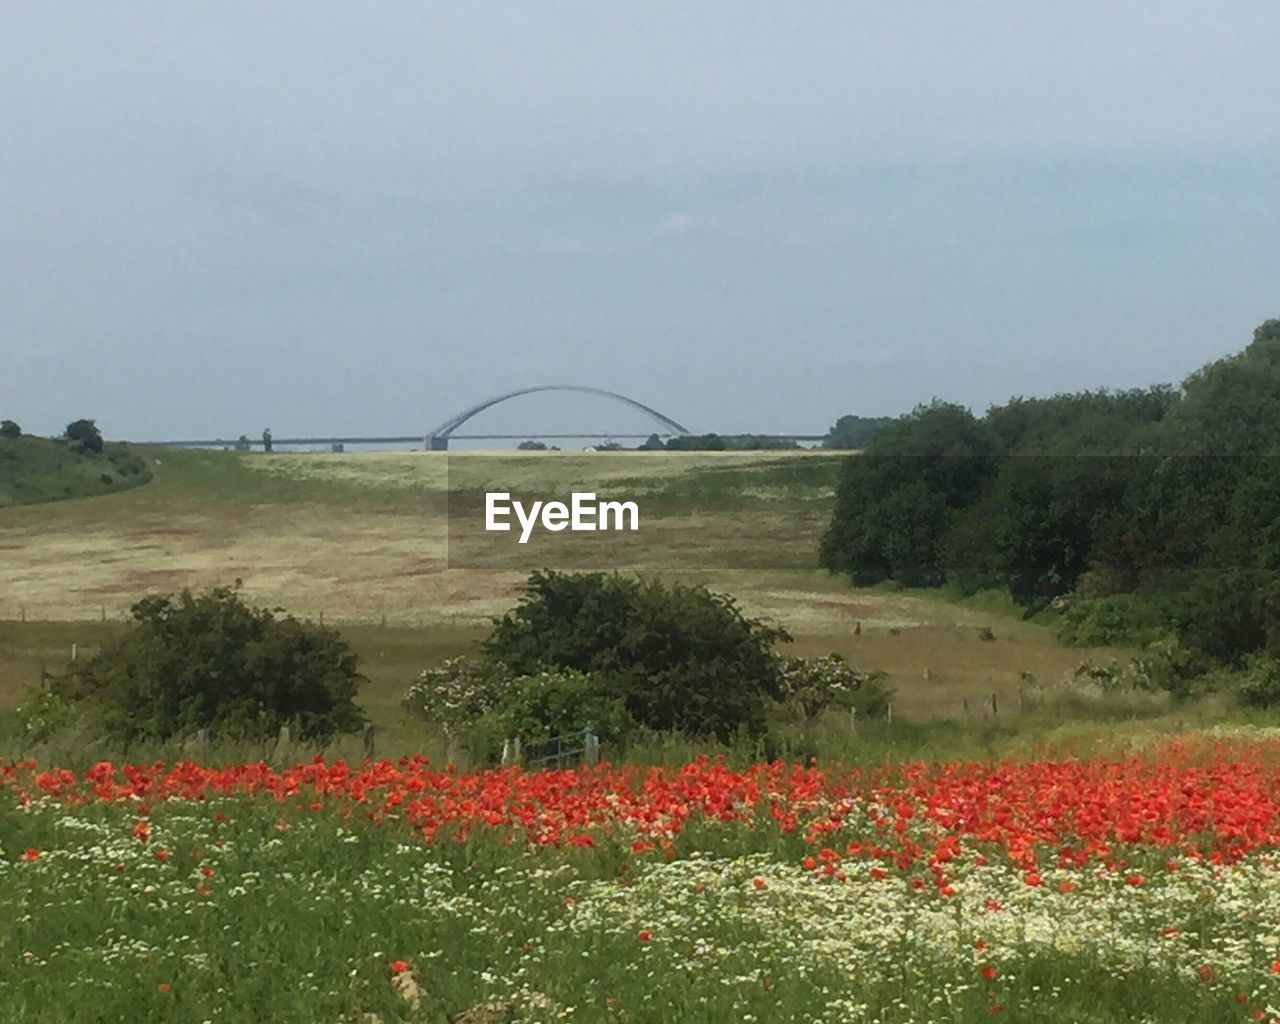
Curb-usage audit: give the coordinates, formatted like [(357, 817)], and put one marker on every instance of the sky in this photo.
[(362, 218)]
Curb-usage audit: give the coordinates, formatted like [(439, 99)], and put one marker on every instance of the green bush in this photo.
[(873, 697), (1260, 687), (677, 657), (554, 703), (1108, 621), (10, 429), (44, 714), (212, 662)]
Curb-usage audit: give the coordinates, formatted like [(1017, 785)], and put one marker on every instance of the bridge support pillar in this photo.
[(436, 443)]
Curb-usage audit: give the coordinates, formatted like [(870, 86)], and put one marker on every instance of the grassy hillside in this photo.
[(37, 469)]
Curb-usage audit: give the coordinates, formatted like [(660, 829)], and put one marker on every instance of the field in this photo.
[(1011, 844), (1136, 887)]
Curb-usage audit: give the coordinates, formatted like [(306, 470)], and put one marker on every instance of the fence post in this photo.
[(73, 651), (591, 753), (368, 741), (202, 738), (888, 714), (516, 752), (506, 751), (964, 704), (853, 721), (993, 706)]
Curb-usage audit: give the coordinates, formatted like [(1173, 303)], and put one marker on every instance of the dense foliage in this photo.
[(854, 431), (210, 661), (84, 435), (1144, 511), (675, 657)]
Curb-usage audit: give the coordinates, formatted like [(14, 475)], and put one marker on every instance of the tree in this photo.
[(676, 657), (212, 662), (531, 446), (84, 434), (10, 429), (854, 431), (897, 501)]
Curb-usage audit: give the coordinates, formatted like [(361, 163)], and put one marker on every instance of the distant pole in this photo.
[(73, 652), (888, 714), (993, 705), (591, 751), (368, 740)]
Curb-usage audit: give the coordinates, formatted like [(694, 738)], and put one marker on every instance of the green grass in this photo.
[(38, 469)]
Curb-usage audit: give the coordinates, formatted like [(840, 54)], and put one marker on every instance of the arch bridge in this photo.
[(438, 439)]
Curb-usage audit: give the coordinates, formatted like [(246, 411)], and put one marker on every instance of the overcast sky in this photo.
[(363, 217)]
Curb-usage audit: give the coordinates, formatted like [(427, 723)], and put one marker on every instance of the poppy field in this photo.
[(1143, 887)]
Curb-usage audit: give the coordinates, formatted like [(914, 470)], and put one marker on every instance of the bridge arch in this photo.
[(438, 439)]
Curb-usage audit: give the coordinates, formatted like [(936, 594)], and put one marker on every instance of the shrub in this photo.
[(212, 662), (812, 685), (553, 703), (1260, 687), (678, 657), (10, 429), (43, 715), (1107, 621), (873, 697), (458, 692)]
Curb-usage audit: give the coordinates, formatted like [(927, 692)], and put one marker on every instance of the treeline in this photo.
[(1144, 514)]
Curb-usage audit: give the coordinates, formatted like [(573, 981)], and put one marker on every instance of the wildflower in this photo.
[(30, 854), (399, 966), (645, 935), (988, 972)]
